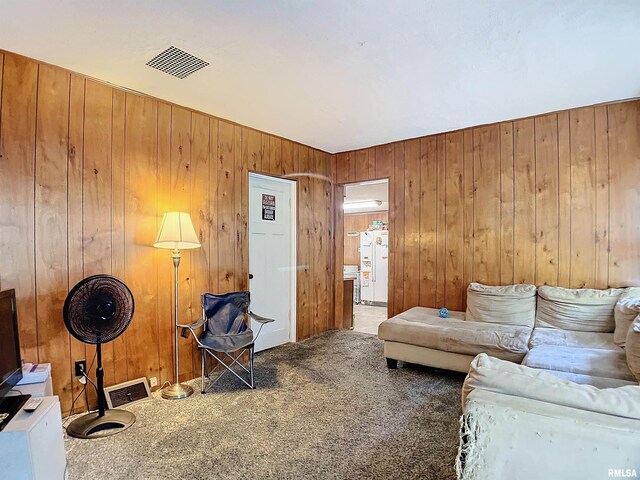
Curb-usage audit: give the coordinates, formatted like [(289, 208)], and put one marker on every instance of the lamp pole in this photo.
[(177, 232)]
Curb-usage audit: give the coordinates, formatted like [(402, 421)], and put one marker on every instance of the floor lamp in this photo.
[(177, 233)]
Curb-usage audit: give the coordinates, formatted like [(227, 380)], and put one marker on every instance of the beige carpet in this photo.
[(323, 408)]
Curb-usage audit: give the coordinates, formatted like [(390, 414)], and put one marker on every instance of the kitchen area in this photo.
[(366, 254)]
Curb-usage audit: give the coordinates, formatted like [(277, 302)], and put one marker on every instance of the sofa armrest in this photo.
[(499, 376), (504, 436)]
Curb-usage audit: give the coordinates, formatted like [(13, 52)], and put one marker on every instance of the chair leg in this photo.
[(251, 366), (204, 369)]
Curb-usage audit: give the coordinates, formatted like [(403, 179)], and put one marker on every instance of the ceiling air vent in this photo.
[(177, 62)]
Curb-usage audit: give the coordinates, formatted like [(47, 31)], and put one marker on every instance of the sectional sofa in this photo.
[(552, 385), (572, 333)]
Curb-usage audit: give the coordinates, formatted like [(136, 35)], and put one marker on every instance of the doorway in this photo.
[(272, 256), (366, 251)]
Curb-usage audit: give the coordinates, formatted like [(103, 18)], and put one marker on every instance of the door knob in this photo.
[(250, 276)]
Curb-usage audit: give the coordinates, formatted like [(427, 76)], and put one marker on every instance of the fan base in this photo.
[(92, 425), (177, 391)]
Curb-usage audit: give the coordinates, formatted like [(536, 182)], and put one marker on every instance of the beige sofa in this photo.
[(568, 332), (525, 423), (571, 410)]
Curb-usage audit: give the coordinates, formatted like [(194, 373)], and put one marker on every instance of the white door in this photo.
[(272, 258)]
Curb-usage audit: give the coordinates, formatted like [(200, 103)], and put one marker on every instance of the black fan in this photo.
[(96, 311)]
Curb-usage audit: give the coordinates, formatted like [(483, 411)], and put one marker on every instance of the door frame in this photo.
[(294, 243), (338, 241)]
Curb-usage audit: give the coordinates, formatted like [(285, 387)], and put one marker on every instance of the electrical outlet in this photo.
[(153, 382), (81, 366)]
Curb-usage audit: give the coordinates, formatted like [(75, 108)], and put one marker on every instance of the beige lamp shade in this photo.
[(177, 232)]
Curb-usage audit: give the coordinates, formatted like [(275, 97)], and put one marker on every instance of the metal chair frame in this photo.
[(220, 361)]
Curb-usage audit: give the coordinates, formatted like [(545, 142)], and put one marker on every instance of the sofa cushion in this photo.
[(498, 376), (585, 361), (508, 305), (569, 338), (632, 349), (600, 382), (582, 309), (626, 310), (423, 327)]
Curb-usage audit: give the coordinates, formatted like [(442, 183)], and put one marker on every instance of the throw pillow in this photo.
[(633, 348), (627, 308), (580, 309), (510, 305)]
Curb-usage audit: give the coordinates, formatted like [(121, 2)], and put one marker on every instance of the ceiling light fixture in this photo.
[(364, 204)]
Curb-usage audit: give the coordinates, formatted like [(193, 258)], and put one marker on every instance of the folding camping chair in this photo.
[(226, 330)]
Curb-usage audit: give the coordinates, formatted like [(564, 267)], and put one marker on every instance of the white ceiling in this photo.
[(345, 74), (370, 190)]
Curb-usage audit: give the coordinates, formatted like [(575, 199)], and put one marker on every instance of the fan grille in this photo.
[(177, 62), (98, 309)]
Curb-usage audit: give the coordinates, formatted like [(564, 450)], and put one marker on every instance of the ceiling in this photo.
[(344, 74), (366, 191)]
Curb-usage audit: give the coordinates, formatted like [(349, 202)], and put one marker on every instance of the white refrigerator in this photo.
[(374, 266)]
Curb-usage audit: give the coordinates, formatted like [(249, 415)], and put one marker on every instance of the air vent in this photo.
[(126, 393), (177, 62)]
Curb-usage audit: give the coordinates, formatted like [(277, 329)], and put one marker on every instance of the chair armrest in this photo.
[(196, 324), (260, 319)]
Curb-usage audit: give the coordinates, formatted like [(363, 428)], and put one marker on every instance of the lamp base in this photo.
[(177, 391)]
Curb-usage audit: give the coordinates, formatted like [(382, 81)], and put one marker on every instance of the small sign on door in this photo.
[(269, 207)]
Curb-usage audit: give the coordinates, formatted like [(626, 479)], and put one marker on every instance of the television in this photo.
[(10, 361)]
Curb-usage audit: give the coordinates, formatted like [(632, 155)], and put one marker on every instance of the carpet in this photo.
[(326, 407)]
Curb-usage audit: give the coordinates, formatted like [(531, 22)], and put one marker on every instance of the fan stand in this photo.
[(103, 422)]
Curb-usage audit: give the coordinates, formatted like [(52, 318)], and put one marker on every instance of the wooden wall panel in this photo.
[(564, 199), (441, 217), (362, 165), (140, 230), (486, 147), (275, 156), (583, 197), (506, 203), (543, 200), (305, 226), (87, 171), (454, 220), (96, 197), (200, 213), (602, 196), (624, 178), (17, 180), (340, 237), (50, 225), (165, 316), (427, 232), (524, 205), (181, 200), (396, 241), (412, 222), (546, 132), (75, 257)]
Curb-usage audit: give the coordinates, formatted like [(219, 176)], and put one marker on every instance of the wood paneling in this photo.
[(545, 200), (624, 181), (87, 172), (358, 222), (17, 191), (50, 224)]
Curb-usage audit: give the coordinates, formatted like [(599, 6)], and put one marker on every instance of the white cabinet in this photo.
[(32, 444)]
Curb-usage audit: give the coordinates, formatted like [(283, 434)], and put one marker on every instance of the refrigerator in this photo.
[(374, 266)]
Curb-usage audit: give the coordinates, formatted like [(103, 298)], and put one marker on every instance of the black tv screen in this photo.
[(10, 363)]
